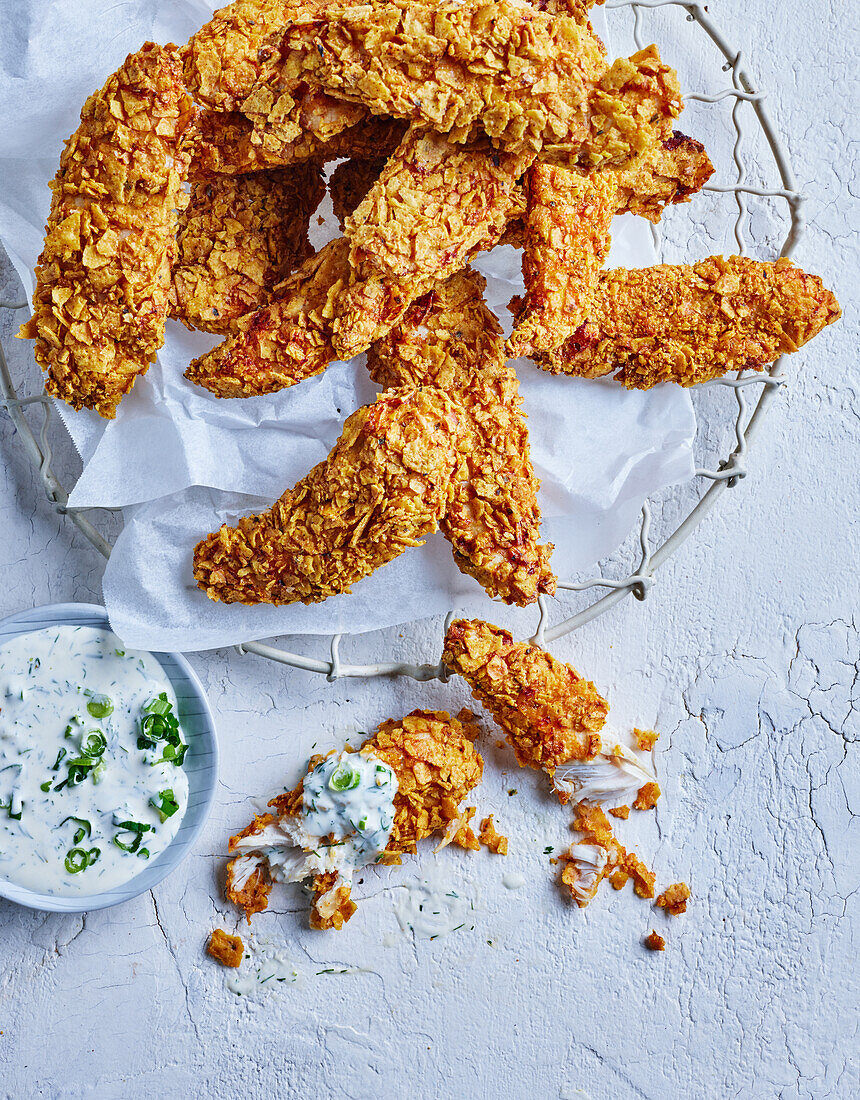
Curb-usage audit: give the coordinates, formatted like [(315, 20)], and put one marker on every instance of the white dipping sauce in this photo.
[(72, 704)]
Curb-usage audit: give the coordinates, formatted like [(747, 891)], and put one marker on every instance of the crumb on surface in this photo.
[(645, 739), (621, 811), (655, 942), (646, 799), (491, 839), (224, 948), (674, 898)]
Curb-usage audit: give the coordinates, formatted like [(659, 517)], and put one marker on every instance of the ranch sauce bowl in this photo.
[(94, 766)]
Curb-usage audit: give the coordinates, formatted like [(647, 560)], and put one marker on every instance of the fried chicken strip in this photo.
[(103, 277), (238, 237), (436, 765), (383, 488), (450, 339), (551, 715), (690, 323), (522, 76)]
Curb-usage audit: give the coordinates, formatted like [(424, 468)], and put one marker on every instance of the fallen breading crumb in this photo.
[(674, 899), (224, 948), (655, 942), (621, 811), (645, 739), (647, 797), (492, 839)]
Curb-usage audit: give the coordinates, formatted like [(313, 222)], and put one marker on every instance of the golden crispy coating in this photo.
[(645, 739), (566, 242), (383, 488), (450, 339), (433, 206), (224, 948), (631, 109), (238, 237), (104, 274), (654, 941), (599, 855), (689, 323), (350, 182), (523, 76), (227, 56), (670, 171), (549, 712), (227, 143), (491, 839), (674, 898), (436, 764), (647, 796), (287, 340)]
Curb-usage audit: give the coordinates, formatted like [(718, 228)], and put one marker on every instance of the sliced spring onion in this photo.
[(78, 859), (100, 706), (166, 805), (159, 723), (84, 830), (46, 786), (94, 744), (60, 755), (143, 853), (344, 778), (137, 829)]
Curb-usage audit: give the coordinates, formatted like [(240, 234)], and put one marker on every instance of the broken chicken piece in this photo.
[(103, 277), (550, 713), (599, 855), (383, 487), (238, 237), (491, 839), (224, 948), (690, 323), (355, 809)]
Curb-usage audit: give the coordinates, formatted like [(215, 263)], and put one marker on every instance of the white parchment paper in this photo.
[(179, 462)]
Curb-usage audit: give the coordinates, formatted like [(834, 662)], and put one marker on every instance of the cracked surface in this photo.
[(746, 655)]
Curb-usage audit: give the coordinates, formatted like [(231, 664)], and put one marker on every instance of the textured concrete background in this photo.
[(746, 657)]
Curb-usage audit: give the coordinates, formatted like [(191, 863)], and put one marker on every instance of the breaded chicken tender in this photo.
[(690, 323), (103, 277), (566, 243), (383, 488), (450, 339), (671, 171), (522, 76), (435, 764), (238, 237), (434, 204), (550, 713)]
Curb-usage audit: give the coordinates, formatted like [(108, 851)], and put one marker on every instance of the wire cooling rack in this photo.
[(748, 103)]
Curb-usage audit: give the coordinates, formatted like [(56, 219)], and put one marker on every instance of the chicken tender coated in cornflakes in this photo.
[(690, 323), (239, 236), (103, 277), (450, 339), (383, 488), (436, 765), (550, 713)]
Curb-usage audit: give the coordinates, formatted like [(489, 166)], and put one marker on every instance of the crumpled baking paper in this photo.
[(179, 461)]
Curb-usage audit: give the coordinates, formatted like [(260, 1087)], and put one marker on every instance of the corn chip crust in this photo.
[(549, 712), (566, 243), (224, 948), (674, 899), (238, 237), (690, 323), (654, 941), (103, 277), (436, 764), (492, 839), (434, 204), (450, 339), (383, 488), (522, 76)]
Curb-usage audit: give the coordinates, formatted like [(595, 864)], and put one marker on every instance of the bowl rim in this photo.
[(180, 846)]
